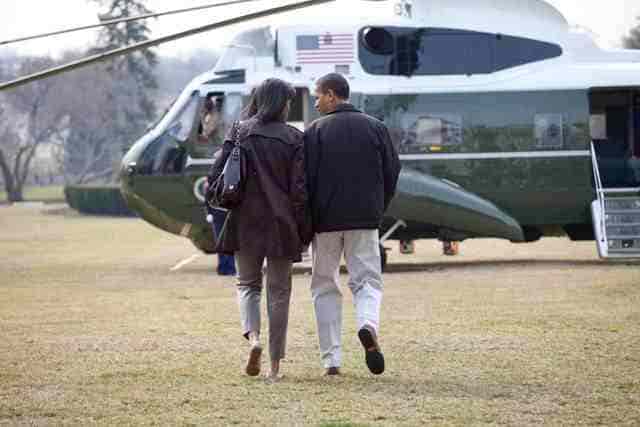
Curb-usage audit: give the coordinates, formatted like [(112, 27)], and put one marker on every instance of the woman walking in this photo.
[(270, 221)]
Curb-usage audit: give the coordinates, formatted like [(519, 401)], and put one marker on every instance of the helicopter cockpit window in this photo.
[(162, 116), (182, 126), (232, 108), (443, 51), (166, 154), (247, 50)]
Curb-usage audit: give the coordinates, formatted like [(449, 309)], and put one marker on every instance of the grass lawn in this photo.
[(50, 193), (97, 328)]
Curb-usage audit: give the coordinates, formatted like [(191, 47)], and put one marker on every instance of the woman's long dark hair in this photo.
[(269, 100), (250, 110)]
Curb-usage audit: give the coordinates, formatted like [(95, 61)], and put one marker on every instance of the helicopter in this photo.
[(509, 123)]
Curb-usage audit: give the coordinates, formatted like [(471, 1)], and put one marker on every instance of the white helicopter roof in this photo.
[(534, 19), (582, 63)]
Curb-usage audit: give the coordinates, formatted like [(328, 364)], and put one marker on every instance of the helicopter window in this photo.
[(435, 129), (166, 154), (296, 114), (210, 127), (169, 160), (182, 126), (598, 126), (163, 156), (514, 51), (216, 111), (162, 116), (483, 122), (454, 53), (247, 49), (549, 130), (442, 51), (232, 107)]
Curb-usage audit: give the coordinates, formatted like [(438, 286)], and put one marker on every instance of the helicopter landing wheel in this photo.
[(383, 258)]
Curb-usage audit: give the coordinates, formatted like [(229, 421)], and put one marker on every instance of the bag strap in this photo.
[(236, 133), (245, 127)]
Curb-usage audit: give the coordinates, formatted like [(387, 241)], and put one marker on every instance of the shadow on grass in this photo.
[(433, 267), (443, 266), (339, 424), (435, 385)]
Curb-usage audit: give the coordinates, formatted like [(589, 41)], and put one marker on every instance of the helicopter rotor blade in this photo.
[(120, 20), (154, 42)]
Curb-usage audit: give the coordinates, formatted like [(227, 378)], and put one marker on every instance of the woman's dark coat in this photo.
[(271, 219)]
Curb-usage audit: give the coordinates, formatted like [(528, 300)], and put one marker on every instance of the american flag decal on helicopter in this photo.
[(325, 49)]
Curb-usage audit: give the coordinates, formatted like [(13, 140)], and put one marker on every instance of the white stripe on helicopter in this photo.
[(510, 155), (457, 156)]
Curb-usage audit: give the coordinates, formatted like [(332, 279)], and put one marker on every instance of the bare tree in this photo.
[(633, 40), (88, 149), (134, 84), (29, 120)]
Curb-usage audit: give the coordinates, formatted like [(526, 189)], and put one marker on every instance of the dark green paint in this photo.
[(534, 191), (495, 197), (450, 207)]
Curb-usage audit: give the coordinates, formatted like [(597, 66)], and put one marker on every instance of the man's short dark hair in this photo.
[(336, 82)]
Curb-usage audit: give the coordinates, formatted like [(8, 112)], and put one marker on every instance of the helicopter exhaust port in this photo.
[(378, 40)]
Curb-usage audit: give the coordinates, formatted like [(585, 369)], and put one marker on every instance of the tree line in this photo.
[(85, 120)]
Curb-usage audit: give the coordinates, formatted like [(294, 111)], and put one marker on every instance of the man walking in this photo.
[(352, 171)]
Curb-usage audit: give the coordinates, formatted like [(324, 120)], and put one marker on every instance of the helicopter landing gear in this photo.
[(383, 258), (383, 251)]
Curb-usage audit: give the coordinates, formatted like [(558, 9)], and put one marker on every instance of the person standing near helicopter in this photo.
[(270, 221), (210, 131), (352, 171)]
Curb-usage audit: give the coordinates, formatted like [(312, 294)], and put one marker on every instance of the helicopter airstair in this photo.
[(616, 218)]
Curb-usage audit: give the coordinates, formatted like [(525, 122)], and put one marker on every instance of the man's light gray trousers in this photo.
[(361, 250)]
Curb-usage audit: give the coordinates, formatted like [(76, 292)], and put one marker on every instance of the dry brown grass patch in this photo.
[(95, 329)]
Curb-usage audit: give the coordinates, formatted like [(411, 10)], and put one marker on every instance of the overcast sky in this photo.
[(608, 19)]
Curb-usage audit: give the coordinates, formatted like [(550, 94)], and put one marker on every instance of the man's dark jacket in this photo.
[(352, 169), (271, 219)]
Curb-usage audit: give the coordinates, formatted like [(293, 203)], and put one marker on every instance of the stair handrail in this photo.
[(599, 191)]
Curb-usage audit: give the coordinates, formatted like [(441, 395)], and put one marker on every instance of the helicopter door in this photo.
[(301, 113), (215, 114), (613, 130), (635, 137), (208, 127)]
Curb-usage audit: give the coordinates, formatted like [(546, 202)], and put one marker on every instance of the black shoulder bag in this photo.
[(229, 187)]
